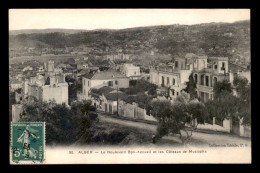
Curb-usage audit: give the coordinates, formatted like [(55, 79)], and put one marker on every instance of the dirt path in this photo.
[(197, 137)]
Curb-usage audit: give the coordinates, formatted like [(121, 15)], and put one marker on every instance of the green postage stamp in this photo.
[(27, 142)]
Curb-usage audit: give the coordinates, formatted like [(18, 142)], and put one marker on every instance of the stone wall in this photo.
[(214, 127)]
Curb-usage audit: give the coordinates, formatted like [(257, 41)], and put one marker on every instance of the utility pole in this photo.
[(117, 101)]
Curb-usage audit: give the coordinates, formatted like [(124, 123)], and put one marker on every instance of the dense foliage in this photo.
[(138, 86), (191, 87), (178, 117), (64, 125), (72, 88), (141, 92)]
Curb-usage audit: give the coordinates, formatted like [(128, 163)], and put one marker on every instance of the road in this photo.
[(197, 137)]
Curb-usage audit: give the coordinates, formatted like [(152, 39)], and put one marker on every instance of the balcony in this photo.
[(204, 88)]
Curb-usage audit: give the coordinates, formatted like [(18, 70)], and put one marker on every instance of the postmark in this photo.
[(27, 142)]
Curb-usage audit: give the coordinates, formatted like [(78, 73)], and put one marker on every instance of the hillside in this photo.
[(212, 39), (33, 31)]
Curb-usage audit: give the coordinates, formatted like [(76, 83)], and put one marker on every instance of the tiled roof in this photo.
[(106, 89), (235, 67), (61, 65), (104, 75), (83, 72), (88, 75)]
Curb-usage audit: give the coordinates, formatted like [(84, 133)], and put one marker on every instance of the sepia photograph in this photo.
[(129, 86)]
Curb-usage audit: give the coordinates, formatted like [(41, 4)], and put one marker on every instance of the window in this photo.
[(135, 72), (196, 78), (176, 63), (202, 80), (84, 81), (88, 83), (162, 80), (172, 92), (177, 93), (84, 92), (216, 67), (110, 83), (207, 81), (116, 82), (168, 80), (173, 81), (223, 66)]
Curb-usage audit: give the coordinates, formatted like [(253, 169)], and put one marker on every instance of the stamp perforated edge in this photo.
[(27, 162)]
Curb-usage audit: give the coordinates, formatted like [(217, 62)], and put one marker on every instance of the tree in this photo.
[(72, 88), (243, 90), (221, 89), (226, 105), (174, 118), (191, 87), (137, 86), (87, 120), (63, 124)]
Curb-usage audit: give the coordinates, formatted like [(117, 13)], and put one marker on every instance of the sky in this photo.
[(118, 18)]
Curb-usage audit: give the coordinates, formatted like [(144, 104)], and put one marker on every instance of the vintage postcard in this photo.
[(129, 86)]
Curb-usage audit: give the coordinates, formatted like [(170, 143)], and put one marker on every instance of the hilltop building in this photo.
[(131, 71), (48, 86), (119, 56), (205, 77), (171, 78), (15, 84), (99, 79)]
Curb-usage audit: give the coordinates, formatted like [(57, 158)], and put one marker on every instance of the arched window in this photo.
[(173, 81), (162, 80), (168, 80), (202, 79), (47, 81), (207, 80)]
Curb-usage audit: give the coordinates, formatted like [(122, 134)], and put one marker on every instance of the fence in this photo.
[(227, 125), (216, 127), (133, 111)]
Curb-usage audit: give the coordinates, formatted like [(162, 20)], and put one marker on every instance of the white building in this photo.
[(221, 69), (171, 78), (131, 71), (119, 56), (16, 84), (50, 86), (104, 78)]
